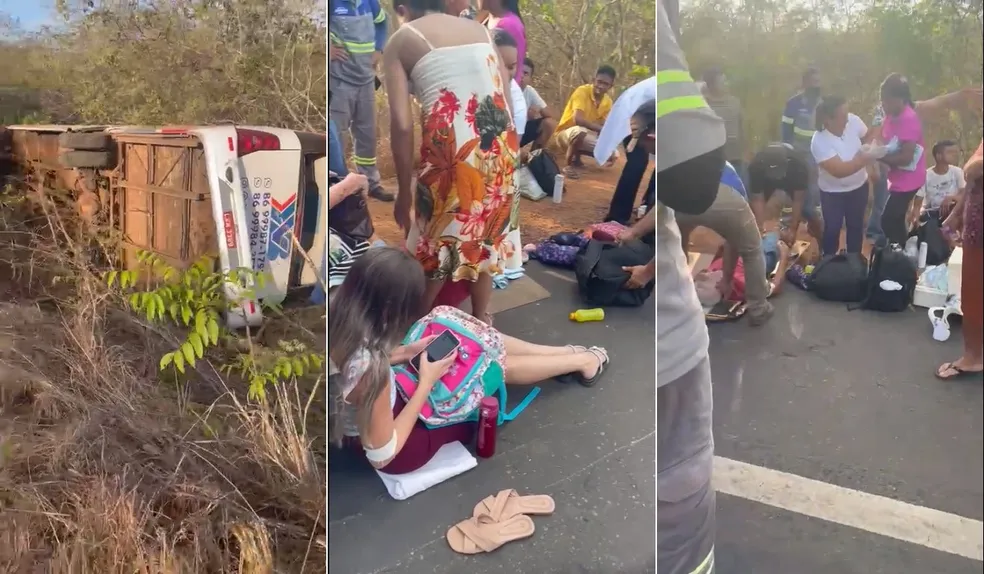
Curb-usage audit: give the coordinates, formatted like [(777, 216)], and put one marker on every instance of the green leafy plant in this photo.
[(194, 300)]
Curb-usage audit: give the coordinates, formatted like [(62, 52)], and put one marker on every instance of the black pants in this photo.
[(692, 186), (894, 217), (636, 164)]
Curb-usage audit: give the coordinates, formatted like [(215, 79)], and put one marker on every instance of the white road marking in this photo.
[(876, 514)]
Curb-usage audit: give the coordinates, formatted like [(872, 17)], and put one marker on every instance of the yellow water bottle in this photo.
[(585, 315)]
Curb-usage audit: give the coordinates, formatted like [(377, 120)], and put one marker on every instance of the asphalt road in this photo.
[(845, 398)]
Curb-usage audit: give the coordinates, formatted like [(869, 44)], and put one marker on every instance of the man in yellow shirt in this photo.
[(584, 115)]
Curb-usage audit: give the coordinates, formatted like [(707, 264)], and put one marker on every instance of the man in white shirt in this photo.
[(540, 123), (943, 182)]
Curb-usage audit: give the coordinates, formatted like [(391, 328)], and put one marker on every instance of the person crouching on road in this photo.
[(732, 218)]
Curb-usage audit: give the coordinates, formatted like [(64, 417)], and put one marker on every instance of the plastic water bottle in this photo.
[(488, 423), (911, 249), (923, 253), (558, 190), (585, 315)]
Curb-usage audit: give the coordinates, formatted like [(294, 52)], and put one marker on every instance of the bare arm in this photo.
[(401, 114), (580, 120), (837, 167), (352, 184), (382, 423), (729, 262), (929, 109)]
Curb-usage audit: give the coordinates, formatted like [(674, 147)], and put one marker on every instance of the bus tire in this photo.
[(87, 141), (90, 159)]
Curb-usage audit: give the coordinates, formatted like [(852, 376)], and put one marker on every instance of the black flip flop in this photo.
[(959, 373)]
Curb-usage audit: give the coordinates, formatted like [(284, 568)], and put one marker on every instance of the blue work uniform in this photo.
[(360, 27)]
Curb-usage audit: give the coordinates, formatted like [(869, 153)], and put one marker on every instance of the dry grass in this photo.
[(107, 468)]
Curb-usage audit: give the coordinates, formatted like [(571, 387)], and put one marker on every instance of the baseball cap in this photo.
[(643, 125)]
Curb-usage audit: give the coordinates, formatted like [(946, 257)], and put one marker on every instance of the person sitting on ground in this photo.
[(343, 251), (508, 51), (781, 167), (368, 316), (944, 181), (540, 121), (584, 115)]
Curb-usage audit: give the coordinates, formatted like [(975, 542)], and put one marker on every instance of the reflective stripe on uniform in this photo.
[(360, 47), (682, 92), (788, 120), (380, 18), (364, 161), (707, 566), (334, 38), (803, 133)]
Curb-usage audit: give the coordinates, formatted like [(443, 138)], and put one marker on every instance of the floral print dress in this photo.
[(465, 200)]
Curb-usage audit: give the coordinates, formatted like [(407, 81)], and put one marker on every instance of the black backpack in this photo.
[(350, 217), (544, 170), (841, 277), (600, 278), (890, 264)]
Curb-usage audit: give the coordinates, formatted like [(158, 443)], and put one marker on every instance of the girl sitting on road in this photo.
[(368, 315)]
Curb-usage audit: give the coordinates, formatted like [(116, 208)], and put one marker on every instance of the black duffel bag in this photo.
[(601, 279), (842, 277)]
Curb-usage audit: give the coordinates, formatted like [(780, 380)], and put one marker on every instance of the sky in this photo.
[(32, 14)]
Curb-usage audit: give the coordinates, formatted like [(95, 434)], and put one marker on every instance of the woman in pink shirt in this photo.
[(504, 14), (902, 132)]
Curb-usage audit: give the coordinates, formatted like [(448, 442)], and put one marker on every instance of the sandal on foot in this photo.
[(602, 356), (571, 173), (958, 373), (575, 349), (508, 503), (483, 534)]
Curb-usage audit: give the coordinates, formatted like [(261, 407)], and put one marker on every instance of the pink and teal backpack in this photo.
[(475, 375)]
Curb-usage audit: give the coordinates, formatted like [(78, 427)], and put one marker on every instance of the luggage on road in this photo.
[(841, 277), (601, 278), (891, 281)]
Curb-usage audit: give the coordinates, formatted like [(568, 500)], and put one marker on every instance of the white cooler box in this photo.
[(928, 297)]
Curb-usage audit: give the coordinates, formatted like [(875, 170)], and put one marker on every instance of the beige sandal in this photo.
[(483, 534), (508, 503)]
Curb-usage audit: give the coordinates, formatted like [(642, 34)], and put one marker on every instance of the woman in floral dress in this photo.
[(462, 194)]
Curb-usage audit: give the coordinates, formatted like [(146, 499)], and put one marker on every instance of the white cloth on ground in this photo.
[(450, 460)]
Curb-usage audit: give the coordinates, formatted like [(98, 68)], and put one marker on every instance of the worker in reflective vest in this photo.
[(689, 162), (357, 32)]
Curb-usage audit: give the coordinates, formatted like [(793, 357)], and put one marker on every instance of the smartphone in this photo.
[(445, 344)]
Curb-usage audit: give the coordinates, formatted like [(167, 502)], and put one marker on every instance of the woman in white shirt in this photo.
[(843, 175)]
